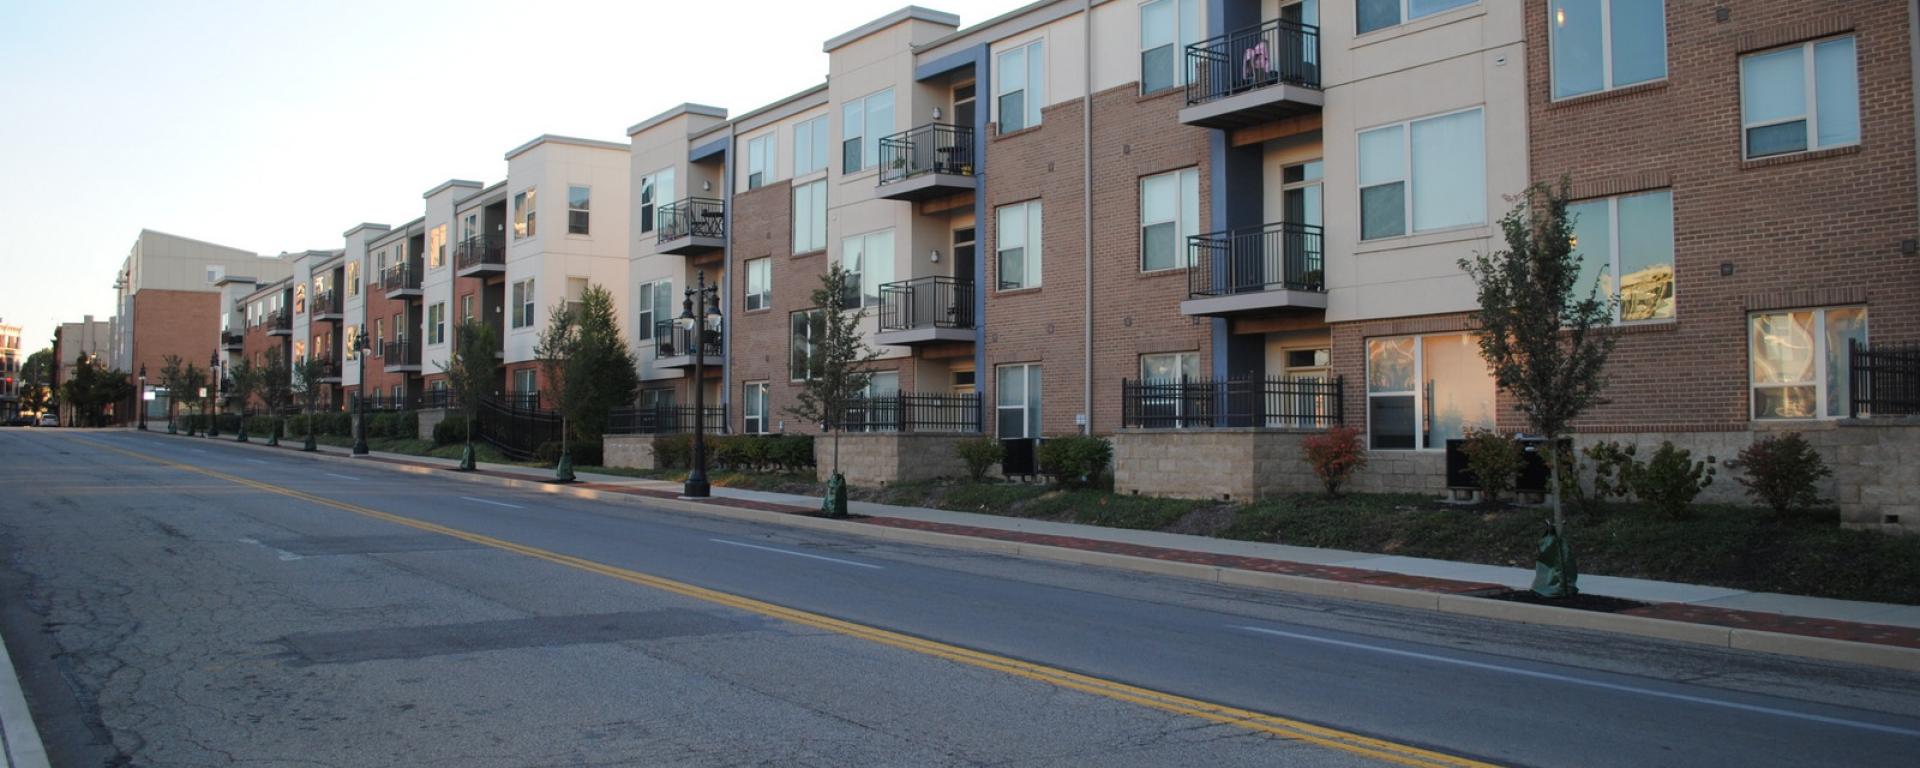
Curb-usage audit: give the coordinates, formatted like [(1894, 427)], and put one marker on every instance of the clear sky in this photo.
[(275, 125)]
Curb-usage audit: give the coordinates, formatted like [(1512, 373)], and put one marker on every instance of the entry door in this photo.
[(963, 105), (1296, 409), (963, 255)]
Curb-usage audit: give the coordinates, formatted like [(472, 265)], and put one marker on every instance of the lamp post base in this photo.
[(696, 489)]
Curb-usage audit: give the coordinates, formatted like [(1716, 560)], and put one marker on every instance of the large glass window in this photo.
[(1167, 27), (1380, 14), (810, 146), (868, 260), (1800, 361), (1017, 228), (762, 154), (1625, 247), (810, 217), (656, 304), (1800, 98), (1022, 76), (1016, 400), (754, 409), (804, 330), (1603, 44), (353, 278), (437, 246), (864, 122), (523, 303), (1423, 175), (1169, 214), (1425, 390), (759, 283), (656, 190), (437, 323), (523, 213), (579, 199)]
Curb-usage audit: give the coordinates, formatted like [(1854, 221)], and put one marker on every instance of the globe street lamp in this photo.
[(140, 404), (213, 394), (361, 346), (698, 311)]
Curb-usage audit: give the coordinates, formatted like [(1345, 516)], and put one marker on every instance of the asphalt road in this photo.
[(161, 616)]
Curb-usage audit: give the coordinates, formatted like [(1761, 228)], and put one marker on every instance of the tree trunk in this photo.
[(1553, 479), (836, 450)]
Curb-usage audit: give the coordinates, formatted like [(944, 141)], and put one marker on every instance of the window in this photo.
[(299, 350), (656, 305), (1169, 214), (651, 399), (761, 152), (1380, 14), (810, 217), (1602, 44), (1799, 361), (437, 323), (379, 337), (810, 146), (578, 200), (804, 329), (437, 245), (523, 381), (868, 260), (1016, 400), (754, 409), (576, 291), (353, 278), (1800, 98), (1625, 247), (216, 273), (470, 227), (863, 122), (1017, 227), (1022, 86), (654, 192), (523, 303), (466, 308), (759, 284), (1425, 390), (1433, 169), (523, 219), (352, 345), (1169, 368), (1167, 27)]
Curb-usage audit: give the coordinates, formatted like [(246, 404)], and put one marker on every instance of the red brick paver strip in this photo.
[(1876, 634)]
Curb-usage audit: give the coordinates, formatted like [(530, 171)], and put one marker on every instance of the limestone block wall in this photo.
[(880, 458), (629, 451), (430, 418), (1223, 464)]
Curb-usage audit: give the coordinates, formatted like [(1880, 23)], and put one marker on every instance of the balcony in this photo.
[(933, 160), (481, 255), (232, 340), (279, 323), (329, 370), (1253, 76), (325, 305), (673, 346), (692, 226), (910, 412), (401, 355), (1275, 267), (1272, 403), (402, 280), (926, 310), (666, 420)]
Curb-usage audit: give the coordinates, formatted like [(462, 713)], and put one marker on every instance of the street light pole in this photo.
[(213, 394), (140, 402), (360, 349), (701, 307)]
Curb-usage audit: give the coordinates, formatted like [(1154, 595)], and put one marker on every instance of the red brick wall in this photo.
[(763, 228), (380, 306), (184, 323)]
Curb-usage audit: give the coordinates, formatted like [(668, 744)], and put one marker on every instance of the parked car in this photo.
[(20, 421), (49, 420)]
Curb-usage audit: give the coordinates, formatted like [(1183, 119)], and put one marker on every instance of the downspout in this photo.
[(1086, 213), (726, 281)]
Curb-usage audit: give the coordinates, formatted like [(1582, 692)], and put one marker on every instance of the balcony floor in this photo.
[(928, 335), (481, 270), (1253, 301), (691, 245), (1256, 107), (927, 186), (685, 361)]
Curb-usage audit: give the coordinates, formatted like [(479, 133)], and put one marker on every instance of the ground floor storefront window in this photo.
[(1425, 390)]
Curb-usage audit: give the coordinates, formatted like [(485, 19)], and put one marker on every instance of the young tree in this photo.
[(245, 380), (170, 370), (836, 374), (306, 384), (36, 381), (191, 380), (589, 370), (470, 370), (276, 391), (1547, 339)]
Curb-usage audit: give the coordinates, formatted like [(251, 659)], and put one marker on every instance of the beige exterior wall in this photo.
[(552, 256), (656, 145)]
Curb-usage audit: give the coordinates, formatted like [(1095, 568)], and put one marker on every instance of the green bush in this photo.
[(1613, 467), (1074, 460), (451, 430), (260, 426), (1782, 472), (336, 423), (980, 454), (673, 451), (1670, 479), (1495, 461)]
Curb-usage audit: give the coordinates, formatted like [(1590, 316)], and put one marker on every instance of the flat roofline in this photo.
[(818, 91), (144, 232), (550, 138), (688, 108), (961, 34), (498, 186), (911, 12), (449, 184), (364, 225)]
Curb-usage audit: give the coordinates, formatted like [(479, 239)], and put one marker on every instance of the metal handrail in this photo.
[(930, 148), (1275, 52), (926, 302), (692, 217), (1276, 256)]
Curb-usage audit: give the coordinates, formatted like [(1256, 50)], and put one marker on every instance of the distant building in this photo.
[(10, 361)]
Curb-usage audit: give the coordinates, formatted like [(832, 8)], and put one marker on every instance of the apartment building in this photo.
[(265, 325), (71, 340), (10, 362), (168, 298), (681, 222)]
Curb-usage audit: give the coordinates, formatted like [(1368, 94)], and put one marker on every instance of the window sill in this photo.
[(1161, 273), (1608, 95), (1437, 237), (804, 254), (1418, 25), (1669, 325), (1005, 292), (1799, 157), (997, 135), (871, 170), (760, 311)]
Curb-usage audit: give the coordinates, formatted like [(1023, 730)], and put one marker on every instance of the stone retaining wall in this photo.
[(430, 418), (629, 451), (880, 458)]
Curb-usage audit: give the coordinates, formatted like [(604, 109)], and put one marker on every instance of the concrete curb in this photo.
[(1803, 646), (24, 749)]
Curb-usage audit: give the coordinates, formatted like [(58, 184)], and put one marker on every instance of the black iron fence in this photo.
[(401, 352), (693, 217), (670, 339), (927, 302), (516, 430), (1271, 257), (912, 412), (279, 320), (404, 276), (383, 402), (1275, 52), (930, 148), (665, 420), (1885, 379), (479, 251), (438, 398), (529, 401), (1290, 403)]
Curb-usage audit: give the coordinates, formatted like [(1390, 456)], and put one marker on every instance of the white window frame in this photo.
[(436, 246), (524, 221), (1185, 221), (805, 369), (865, 131), (1820, 370), (1606, 53), (1812, 101), (811, 145), (521, 293), (759, 283), (811, 223), (753, 408), (1030, 243), (1031, 407), (1032, 92), (353, 278), (1613, 257), (647, 312), (1406, 15), (1406, 178), (1183, 36), (1417, 393), (437, 323), (586, 224), (660, 183), (763, 157)]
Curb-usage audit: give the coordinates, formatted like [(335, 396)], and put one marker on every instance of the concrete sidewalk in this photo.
[(22, 739)]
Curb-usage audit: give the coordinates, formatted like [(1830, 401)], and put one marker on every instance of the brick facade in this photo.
[(758, 341), (184, 323)]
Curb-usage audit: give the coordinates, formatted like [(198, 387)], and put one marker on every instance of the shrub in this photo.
[(451, 430), (1334, 456), (1613, 467), (673, 451), (980, 453), (260, 426), (1782, 472), (338, 423), (1495, 461), (1670, 479), (1075, 460), (791, 453)]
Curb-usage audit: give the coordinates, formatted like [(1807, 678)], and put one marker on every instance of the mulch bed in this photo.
[(1582, 602)]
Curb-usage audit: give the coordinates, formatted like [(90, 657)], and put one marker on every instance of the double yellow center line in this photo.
[(1285, 728)]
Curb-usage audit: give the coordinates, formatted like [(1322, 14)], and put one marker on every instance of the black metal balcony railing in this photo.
[(481, 250), (232, 339), (1296, 403), (912, 412), (692, 217), (927, 302), (522, 401), (1885, 379), (664, 420), (279, 320), (325, 302), (670, 339), (931, 148), (382, 402), (400, 352), (1273, 257), (438, 398), (404, 276), (1274, 52)]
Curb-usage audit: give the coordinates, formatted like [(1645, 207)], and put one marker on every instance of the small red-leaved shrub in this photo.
[(1335, 455)]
